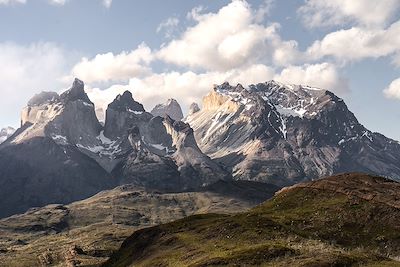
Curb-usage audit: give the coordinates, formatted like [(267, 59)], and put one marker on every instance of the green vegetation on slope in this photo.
[(87, 232), (346, 220)]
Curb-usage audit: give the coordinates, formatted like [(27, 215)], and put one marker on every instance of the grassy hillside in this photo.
[(87, 232), (344, 220)]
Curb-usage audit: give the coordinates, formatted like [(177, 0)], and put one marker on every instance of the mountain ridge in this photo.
[(285, 134), (64, 130)]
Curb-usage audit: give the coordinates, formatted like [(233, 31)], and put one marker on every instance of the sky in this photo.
[(180, 49)]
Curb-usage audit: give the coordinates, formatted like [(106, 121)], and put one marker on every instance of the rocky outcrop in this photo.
[(285, 134), (176, 167), (123, 113), (170, 108), (68, 118), (159, 153), (43, 162), (193, 108), (192, 163)]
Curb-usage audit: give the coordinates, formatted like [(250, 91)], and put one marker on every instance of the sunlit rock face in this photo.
[(42, 162), (62, 153), (283, 134)]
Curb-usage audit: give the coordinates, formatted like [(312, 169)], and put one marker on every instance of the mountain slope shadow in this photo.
[(58, 175)]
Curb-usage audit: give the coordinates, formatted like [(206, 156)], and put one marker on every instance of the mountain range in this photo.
[(269, 132), (284, 134), (72, 188)]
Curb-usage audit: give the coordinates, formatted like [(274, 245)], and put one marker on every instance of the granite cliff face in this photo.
[(42, 163), (161, 153), (62, 153), (284, 134)]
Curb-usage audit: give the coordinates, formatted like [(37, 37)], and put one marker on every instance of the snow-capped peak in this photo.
[(288, 99)]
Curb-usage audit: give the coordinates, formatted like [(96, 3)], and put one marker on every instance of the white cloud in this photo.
[(110, 67), (264, 10), (322, 13), (107, 3), (393, 90), (228, 39), (168, 26), (26, 70), (9, 2), (186, 87), (323, 75), (195, 13), (358, 43), (58, 2), (228, 45)]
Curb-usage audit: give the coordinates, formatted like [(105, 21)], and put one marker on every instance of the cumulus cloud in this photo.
[(9, 2), (58, 2), (358, 43), (110, 67), (323, 75), (186, 87), (228, 45), (393, 90), (168, 26), (189, 86), (263, 10), (26, 70), (226, 40), (322, 13), (107, 3)]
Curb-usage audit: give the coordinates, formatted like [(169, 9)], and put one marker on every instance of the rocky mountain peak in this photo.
[(171, 108), (181, 133), (125, 102), (270, 125), (134, 138), (193, 108), (76, 92), (124, 113), (42, 98)]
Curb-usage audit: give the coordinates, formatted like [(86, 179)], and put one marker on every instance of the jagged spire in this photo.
[(76, 92), (171, 108), (125, 102)]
